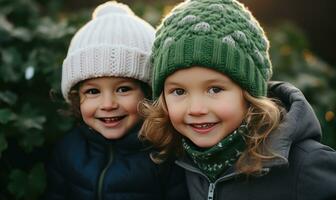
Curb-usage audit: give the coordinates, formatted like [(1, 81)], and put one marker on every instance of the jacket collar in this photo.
[(129, 142), (299, 123)]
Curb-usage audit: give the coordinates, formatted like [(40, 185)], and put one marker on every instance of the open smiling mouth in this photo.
[(109, 120), (203, 128), (203, 125)]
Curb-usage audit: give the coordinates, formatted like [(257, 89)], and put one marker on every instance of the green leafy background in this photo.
[(34, 37)]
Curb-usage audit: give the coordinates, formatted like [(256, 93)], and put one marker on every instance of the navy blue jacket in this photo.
[(85, 165)]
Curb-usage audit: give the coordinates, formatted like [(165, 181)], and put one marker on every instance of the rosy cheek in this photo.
[(87, 107), (232, 116), (227, 111), (174, 113), (131, 107)]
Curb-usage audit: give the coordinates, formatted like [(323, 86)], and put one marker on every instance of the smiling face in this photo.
[(204, 105), (109, 105)]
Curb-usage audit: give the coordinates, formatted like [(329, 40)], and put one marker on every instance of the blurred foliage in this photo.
[(32, 47), (34, 37), (294, 63)]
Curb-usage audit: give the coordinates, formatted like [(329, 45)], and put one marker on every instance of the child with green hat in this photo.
[(234, 132)]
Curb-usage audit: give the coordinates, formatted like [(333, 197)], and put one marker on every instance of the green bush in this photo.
[(34, 37), (32, 47), (293, 62)]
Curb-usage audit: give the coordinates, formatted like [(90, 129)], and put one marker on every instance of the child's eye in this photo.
[(123, 89), (92, 91), (215, 90), (178, 92)]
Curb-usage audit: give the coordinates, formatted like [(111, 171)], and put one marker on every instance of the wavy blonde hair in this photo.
[(264, 115)]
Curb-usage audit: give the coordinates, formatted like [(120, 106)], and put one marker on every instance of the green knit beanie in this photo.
[(218, 34)]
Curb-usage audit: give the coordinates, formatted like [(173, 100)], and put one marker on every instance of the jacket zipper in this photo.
[(102, 174), (211, 191), (212, 186)]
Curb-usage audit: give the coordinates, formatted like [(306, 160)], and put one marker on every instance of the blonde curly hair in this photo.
[(264, 115)]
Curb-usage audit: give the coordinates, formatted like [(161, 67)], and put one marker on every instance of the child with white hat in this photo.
[(105, 74)]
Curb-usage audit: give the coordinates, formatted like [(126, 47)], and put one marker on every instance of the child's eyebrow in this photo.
[(173, 83), (218, 80), (207, 81), (88, 84), (129, 81)]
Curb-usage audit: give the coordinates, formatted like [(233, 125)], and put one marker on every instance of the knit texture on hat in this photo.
[(114, 43), (218, 34)]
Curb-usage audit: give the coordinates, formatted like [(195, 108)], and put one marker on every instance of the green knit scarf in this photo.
[(215, 160)]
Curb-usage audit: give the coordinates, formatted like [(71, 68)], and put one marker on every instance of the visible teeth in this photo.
[(111, 119), (203, 125)]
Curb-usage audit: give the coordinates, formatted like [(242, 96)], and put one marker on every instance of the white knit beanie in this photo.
[(114, 43)]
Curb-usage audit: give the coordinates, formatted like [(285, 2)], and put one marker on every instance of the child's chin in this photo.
[(113, 135), (205, 143)]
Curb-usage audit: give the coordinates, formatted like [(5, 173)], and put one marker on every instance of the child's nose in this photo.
[(109, 102), (197, 106)]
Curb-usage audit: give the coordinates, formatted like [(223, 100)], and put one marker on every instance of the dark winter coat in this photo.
[(86, 166), (307, 170)]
